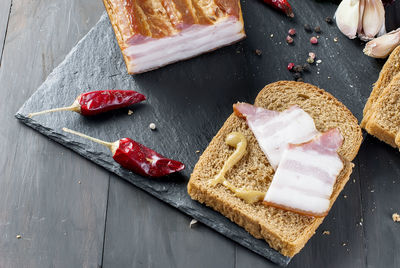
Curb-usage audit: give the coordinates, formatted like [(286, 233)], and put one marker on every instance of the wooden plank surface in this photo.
[(63, 223), (5, 8), (60, 221), (380, 199), (142, 230)]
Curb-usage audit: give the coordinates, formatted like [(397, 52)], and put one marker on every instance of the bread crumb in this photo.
[(192, 222), (130, 112), (319, 61), (345, 196), (79, 182), (18, 236), (344, 244), (396, 217), (152, 126), (326, 233), (335, 39), (272, 35), (197, 151)]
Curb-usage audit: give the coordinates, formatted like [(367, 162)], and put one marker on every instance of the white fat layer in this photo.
[(292, 198), (331, 164), (302, 192), (297, 126), (302, 183), (190, 42)]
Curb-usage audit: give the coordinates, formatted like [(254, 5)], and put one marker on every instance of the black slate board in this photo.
[(190, 100)]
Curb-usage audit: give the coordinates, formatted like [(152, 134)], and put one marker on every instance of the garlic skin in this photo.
[(382, 46), (347, 16), (360, 17), (373, 20)]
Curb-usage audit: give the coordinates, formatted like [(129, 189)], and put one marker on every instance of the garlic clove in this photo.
[(347, 17), (373, 19), (382, 46), (360, 17)]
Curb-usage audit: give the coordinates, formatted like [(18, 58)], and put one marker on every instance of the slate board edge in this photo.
[(77, 147), (95, 157)]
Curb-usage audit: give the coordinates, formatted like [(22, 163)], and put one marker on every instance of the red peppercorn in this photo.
[(289, 39), (290, 66), (292, 31), (314, 40)]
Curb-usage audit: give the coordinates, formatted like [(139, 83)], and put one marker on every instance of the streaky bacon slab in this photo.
[(154, 33)]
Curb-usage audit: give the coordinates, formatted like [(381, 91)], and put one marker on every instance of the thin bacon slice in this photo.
[(304, 180), (275, 130)]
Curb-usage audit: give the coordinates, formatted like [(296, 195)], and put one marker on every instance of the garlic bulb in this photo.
[(363, 17), (347, 16), (382, 46)]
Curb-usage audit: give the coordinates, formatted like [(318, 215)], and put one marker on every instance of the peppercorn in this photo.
[(289, 39), (290, 66), (307, 28), (296, 76), (306, 67), (329, 20), (292, 31), (258, 52), (313, 40), (317, 29), (298, 68)]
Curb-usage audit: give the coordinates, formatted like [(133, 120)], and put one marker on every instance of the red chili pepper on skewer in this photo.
[(95, 102), (137, 157), (282, 5)]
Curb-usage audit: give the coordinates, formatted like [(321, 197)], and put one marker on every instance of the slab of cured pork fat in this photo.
[(154, 33)]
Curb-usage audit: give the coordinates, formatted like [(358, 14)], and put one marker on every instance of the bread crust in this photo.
[(389, 70), (262, 221), (384, 119)]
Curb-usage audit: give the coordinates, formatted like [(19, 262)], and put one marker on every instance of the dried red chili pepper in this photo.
[(137, 157), (282, 5), (95, 102)]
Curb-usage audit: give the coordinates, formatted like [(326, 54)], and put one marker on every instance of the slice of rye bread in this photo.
[(389, 70), (384, 121), (284, 231)]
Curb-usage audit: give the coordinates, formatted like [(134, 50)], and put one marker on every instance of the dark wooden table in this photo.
[(60, 210)]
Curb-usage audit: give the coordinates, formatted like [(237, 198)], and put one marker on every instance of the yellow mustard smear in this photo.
[(239, 142)]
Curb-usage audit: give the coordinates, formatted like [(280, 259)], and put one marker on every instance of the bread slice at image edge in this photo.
[(389, 70), (285, 231), (384, 121)]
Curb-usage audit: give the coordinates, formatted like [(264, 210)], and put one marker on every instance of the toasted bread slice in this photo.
[(285, 231), (389, 70), (384, 119)]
